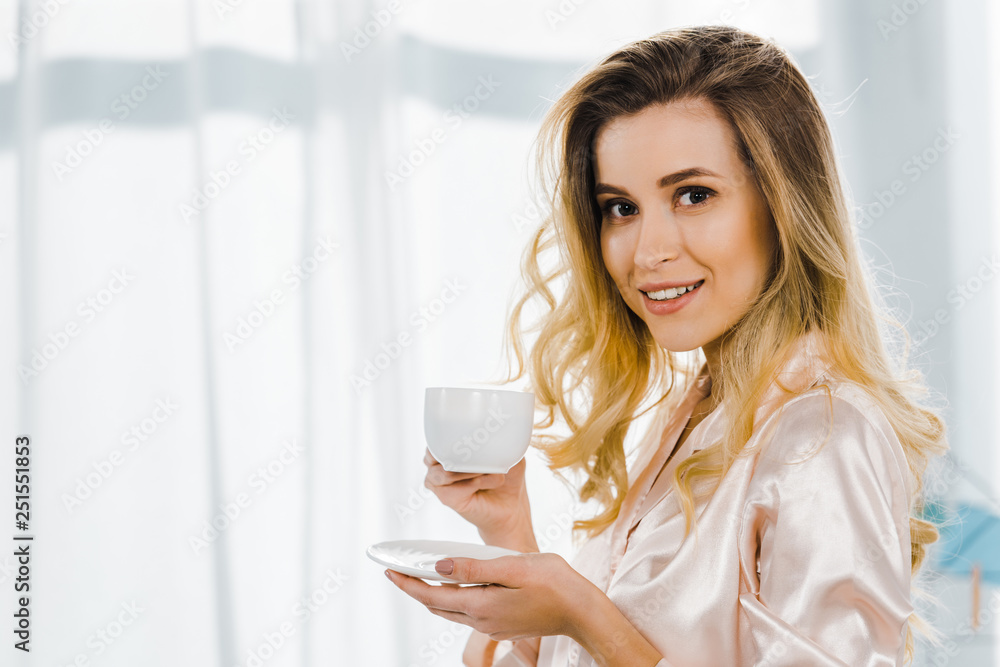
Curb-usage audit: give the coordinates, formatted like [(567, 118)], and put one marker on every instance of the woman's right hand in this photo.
[(497, 504)]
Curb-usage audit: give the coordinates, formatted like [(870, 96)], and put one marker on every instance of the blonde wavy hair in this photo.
[(593, 350)]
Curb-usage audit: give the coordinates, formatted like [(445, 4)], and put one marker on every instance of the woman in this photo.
[(771, 515)]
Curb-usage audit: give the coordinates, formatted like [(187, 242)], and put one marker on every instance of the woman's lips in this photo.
[(670, 305)]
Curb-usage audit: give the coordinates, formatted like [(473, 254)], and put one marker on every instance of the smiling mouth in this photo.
[(672, 292)]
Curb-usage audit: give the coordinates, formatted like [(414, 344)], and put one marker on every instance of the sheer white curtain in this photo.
[(238, 239)]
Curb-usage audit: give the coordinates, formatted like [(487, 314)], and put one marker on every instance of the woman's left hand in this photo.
[(527, 595)]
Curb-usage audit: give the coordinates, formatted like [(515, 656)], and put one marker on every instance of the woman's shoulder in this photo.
[(834, 426), (837, 400)]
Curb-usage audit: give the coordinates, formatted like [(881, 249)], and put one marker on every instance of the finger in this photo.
[(460, 492), (434, 464), (490, 481), (480, 481), (442, 477), (436, 597), (438, 476), (456, 616), (508, 571)]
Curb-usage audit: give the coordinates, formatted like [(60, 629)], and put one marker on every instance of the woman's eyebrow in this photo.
[(666, 181)]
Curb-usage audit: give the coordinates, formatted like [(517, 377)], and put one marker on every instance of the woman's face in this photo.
[(680, 208)]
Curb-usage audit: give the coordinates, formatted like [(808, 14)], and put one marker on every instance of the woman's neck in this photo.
[(712, 355)]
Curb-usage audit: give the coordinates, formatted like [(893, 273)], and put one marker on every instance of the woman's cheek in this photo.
[(616, 257)]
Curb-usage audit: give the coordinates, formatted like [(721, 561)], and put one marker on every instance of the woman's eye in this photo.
[(624, 209), (693, 196)]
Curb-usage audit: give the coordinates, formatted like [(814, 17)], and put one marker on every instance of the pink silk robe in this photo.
[(803, 551)]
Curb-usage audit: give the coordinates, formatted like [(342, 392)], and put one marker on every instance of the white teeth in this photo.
[(671, 292)]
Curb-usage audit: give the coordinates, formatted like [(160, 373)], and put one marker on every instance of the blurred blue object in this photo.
[(969, 534)]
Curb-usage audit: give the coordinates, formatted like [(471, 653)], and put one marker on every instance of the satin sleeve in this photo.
[(829, 517), (481, 651)]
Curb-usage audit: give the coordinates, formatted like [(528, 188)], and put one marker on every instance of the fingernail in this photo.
[(446, 566), (388, 576)]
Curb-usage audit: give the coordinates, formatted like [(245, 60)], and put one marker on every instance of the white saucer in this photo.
[(417, 557)]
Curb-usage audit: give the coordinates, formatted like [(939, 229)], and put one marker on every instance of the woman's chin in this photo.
[(678, 343)]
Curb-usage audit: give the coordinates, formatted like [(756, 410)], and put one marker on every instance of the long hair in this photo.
[(592, 349)]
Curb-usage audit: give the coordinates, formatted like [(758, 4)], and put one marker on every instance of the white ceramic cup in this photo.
[(478, 430)]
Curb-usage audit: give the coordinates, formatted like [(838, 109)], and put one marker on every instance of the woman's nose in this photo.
[(659, 240)]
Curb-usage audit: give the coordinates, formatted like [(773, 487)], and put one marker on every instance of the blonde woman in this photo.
[(771, 515)]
